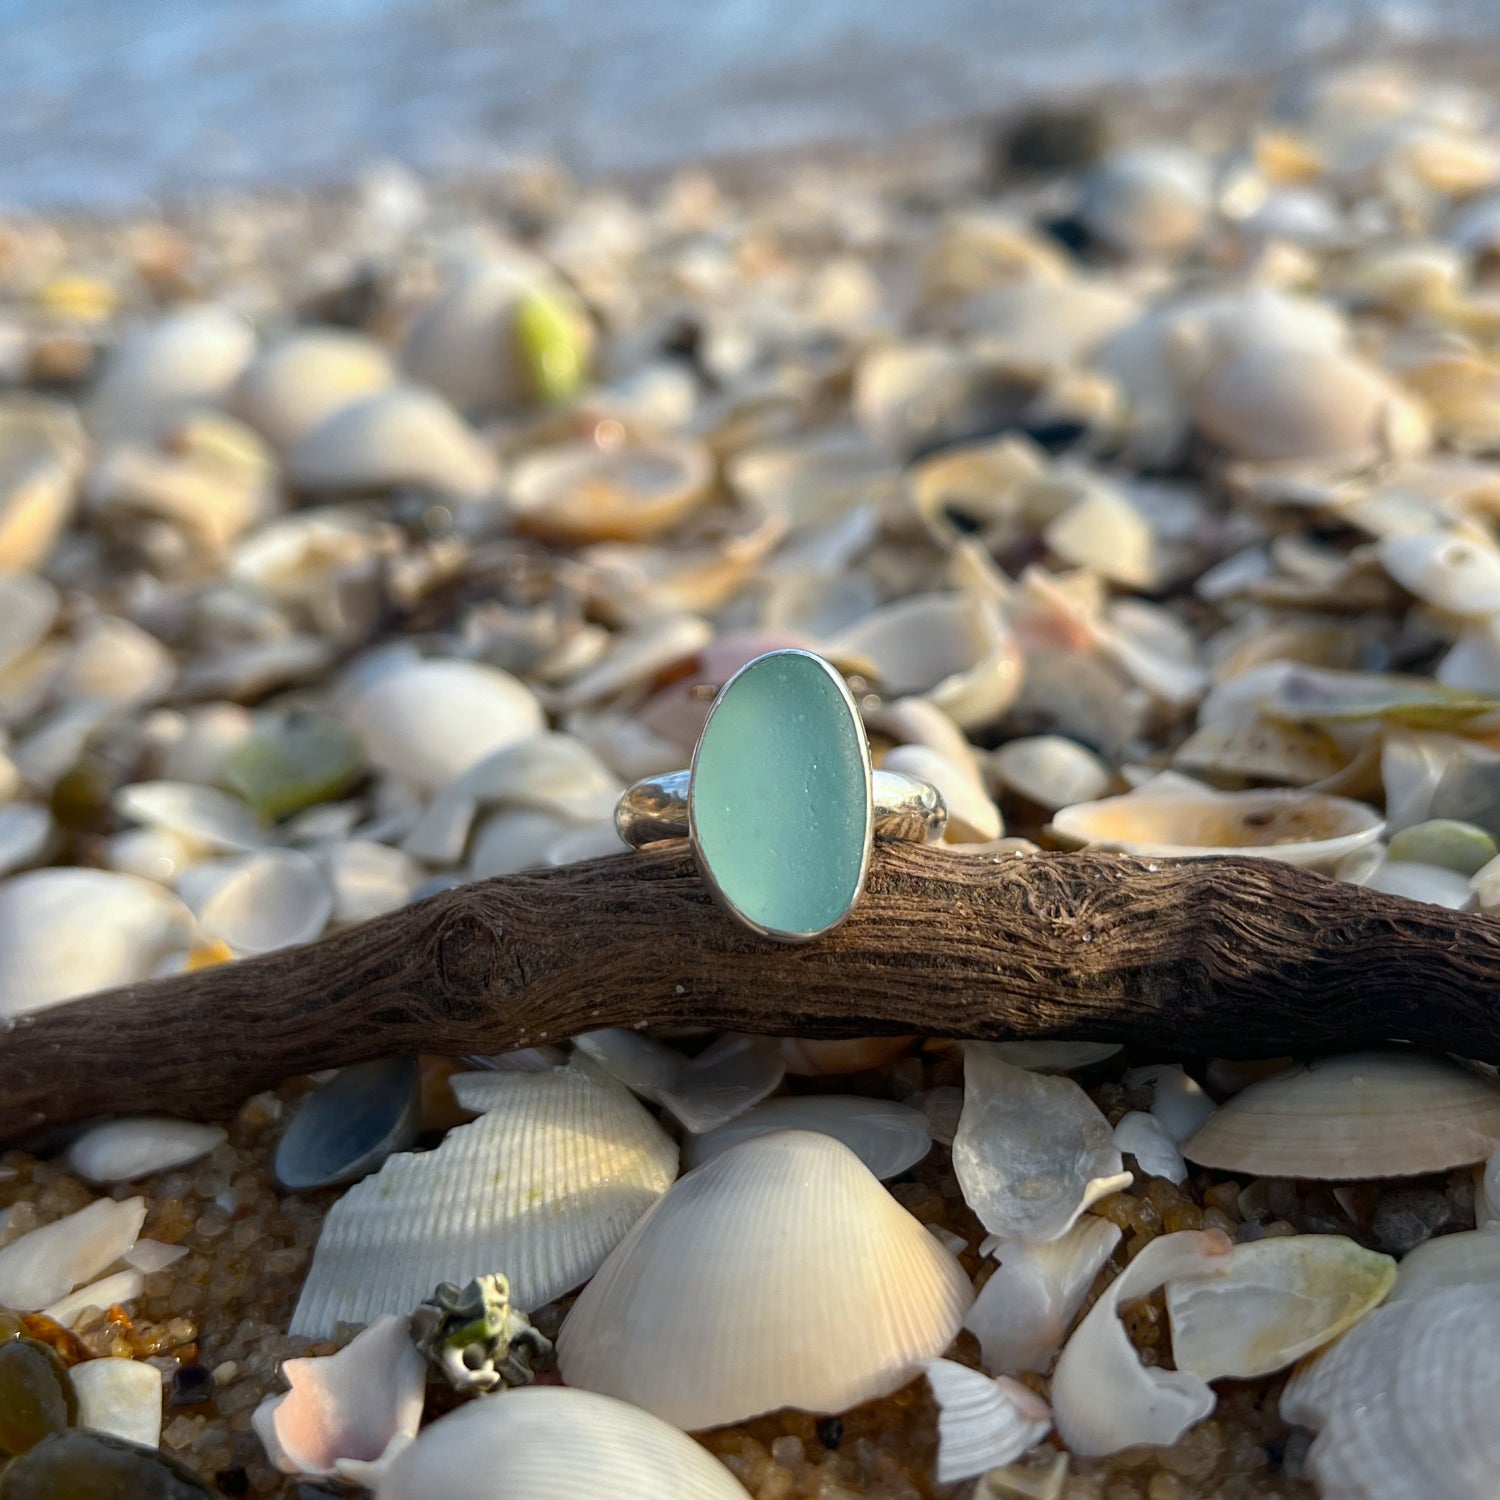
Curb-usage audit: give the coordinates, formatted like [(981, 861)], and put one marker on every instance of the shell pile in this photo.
[(358, 547)]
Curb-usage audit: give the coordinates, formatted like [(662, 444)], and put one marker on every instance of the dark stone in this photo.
[(190, 1385), (91, 1466), (36, 1395), (234, 1482), (1050, 139), (830, 1431), (1070, 232)]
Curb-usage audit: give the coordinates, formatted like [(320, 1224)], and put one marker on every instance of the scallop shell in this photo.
[(1363, 1115), (541, 1187), (289, 389), (786, 1250), (67, 932), (1281, 1298), (554, 1443), (982, 1423), (1177, 821), (888, 1138), (1404, 1403)]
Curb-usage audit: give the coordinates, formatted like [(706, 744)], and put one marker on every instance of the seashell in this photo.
[(200, 815), (644, 1065), (67, 932), (347, 1414), (49, 1262), (115, 662), (395, 438), (1023, 1312), (1032, 1152), (472, 342), (1304, 828), (1050, 771), (1144, 1137), (164, 371), (1177, 1101), (1148, 200), (1026, 1481), (430, 721), (151, 1256), (28, 607), (953, 649), (1281, 1298), (277, 898), (888, 1138), (351, 1125), (723, 1081), (812, 480), (972, 817), (514, 839), (125, 1150), (1104, 531), (555, 1443), (545, 1183), (1300, 694), (1469, 1258), (625, 491), (1452, 570), (1362, 1115), (1401, 1404), (1421, 882), (1038, 327), (366, 879), (152, 853), (591, 841), (785, 1249), (1252, 747), (25, 833), (1054, 1057), (123, 1286), (290, 388), (41, 451), (813, 1057), (639, 655), (121, 1397), (982, 1423), (1103, 1398), (199, 741)]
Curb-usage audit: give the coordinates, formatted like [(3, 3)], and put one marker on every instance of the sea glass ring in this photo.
[(781, 804)]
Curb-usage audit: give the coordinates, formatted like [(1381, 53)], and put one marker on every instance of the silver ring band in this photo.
[(656, 808)]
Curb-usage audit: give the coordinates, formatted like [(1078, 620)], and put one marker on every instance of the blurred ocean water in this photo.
[(103, 101)]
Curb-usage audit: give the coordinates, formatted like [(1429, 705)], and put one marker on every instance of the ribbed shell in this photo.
[(541, 1187), (779, 1274), (1366, 1114), (551, 1443)]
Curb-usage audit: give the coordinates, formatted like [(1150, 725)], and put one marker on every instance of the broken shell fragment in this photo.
[(786, 1249), (982, 1423), (1281, 1298), (120, 1397), (1050, 771), (125, 1150), (1143, 1136), (49, 1262), (1368, 1114)]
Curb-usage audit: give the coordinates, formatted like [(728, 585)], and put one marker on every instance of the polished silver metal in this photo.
[(906, 808)]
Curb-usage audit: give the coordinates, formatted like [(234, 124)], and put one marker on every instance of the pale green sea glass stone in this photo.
[(779, 802)]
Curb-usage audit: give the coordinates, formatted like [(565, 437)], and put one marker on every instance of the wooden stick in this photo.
[(1230, 957)]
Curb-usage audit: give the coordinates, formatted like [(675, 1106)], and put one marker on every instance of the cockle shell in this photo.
[(1281, 1298), (1404, 1403), (1368, 1114), (555, 1443), (1032, 1151), (292, 387), (982, 1423), (787, 1250), (544, 1184)]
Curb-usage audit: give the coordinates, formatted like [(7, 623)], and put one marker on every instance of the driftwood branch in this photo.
[(1234, 957)]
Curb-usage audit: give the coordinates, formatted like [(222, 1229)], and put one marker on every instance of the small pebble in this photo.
[(1407, 1217), (36, 1395), (830, 1431), (190, 1385)]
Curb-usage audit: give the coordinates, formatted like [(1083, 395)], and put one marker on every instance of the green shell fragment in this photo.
[(552, 347), (295, 762)]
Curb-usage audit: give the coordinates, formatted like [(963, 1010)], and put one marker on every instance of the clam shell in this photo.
[(366, 879), (67, 932), (1032, 1151), (1370, 1114), (290, 388), (351, 1125), (982, 1423), (888, 1138), (125, 1150), (200, 815), (554, 1443), (1281, 1298), (788, 1251), (541, 1187), (397, 437)]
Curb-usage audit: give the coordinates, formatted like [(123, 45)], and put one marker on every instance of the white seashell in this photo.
[(645, 1066), (150, 1256), (166, 370), (277, 898), (1469, 1258), (1036, 327), (1023, 1312), (41, 453), (1362, 1115), (915, 721), (1103, 1398), (1144, 1137), (394, 438), (67, 932), (347, 1414), (1418, 882), (123, 1286), (25, 833), (121, 1397), (28, 607), (555, 1443), (1404, 1403), (888, 1138), (814, 1057), (289, 389), (1281, 1298), (125, 1150), (591, 841), (1050, 771), (430, 721), (1055, 1057), (542, 1186), (1026, 1481), (115, 662), (787, 1250), (516, 838), (1032, 1152), (201, 815), (366, 878), (636, 656), (723, 1081), (1148, 200), (982, 1423), (49, 1262), (1178, 1101), (1452, 570), (1304, 828), (972, 817), (201, 741), (1473, 664), (1104, 532)]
